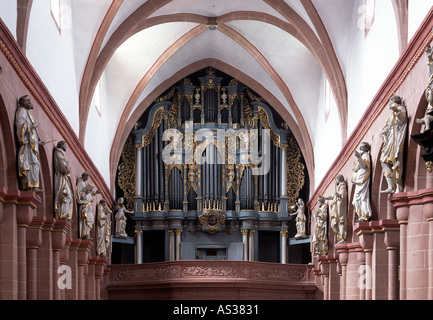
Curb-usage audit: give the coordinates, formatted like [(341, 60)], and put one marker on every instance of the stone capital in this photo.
[(34, 232), (100, 264), (60, 231)]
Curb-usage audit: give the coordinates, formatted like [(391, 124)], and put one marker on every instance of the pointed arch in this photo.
[(127, 121)]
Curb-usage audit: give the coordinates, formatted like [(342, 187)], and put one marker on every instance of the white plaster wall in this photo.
[(371, 59), (52, 55), (417, 12), (214, 45), (99, 133), (8, 13), (292, 62), (328, 138)]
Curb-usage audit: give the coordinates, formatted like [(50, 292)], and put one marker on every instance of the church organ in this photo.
[(213, 158)]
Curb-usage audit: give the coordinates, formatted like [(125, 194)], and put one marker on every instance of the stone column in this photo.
[(343, 257), (171, 247), (16, 213), (284, 234), (60, 230), (392, 242), (402, 214), (45, 262), (82, 260), (73, 264), (428, 213), (245, 243), (138, 246), (34, 240), (324, 270), (139, 172), (91, 281), (178, 240), (403, 219), (366, 238), (24, 218), (99, 272), (64, 261), (251, 244), (284, 171)]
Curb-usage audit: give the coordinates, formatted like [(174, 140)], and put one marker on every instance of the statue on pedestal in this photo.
[(63, 196), (339, 209), (393, 136), (320, 237), (121, 219), (428, 118), (103, 230), (28, 140), (361, 180), (85, 196), (301, 219)]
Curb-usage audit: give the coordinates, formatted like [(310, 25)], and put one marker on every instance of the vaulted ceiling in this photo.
[(281, 49)]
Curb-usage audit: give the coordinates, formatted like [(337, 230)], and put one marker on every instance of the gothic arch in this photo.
[(24, 8), (298, 29), (8, 148), (128, 121), (415, 163)]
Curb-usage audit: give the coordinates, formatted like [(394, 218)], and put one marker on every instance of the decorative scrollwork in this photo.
[(126, 175), (147, 138), (264, 120), (295, 171)]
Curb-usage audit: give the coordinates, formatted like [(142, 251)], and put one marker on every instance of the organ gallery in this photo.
[(216, 150), (215, 167)]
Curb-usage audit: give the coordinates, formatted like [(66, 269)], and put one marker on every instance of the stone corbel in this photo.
[(34, 232), (60, 231)]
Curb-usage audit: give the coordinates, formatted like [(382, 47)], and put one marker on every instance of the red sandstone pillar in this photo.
[(99, 272), (72, 294), (343, 257), (428, 213), (17, 210), (324, 269), (403, 219), (9, 254), (45, 262), (82, 260), (60, 230), (34, 240), (391, 230), (64, 260), (90, 289), (364, 231), (24, 218)]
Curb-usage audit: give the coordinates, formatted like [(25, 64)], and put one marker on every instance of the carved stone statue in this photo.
[(428, 118), (121, 219), (84, 195), (393, 136), (301, 219), (103, 230), (63, 196), (28, 140), (339, 209), (320, 238), (361, 180)]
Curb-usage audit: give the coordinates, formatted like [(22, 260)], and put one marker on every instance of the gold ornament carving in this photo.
[(126, 176), (148, 137), (295, 171), (212, 219)]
